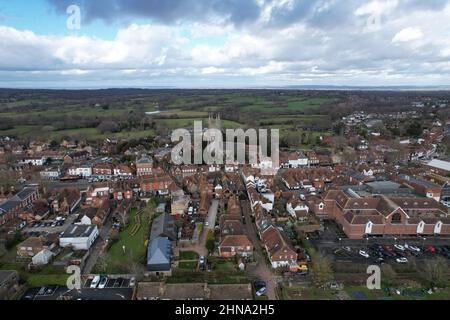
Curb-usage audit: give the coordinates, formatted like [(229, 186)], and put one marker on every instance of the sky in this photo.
[(224, 43)]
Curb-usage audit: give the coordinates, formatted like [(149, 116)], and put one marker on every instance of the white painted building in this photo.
[(80, 237), (81, 171)]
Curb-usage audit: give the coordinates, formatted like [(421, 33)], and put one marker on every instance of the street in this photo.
[(261, 271)]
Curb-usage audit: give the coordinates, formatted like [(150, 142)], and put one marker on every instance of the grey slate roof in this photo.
[(164, 226), (159, 254)]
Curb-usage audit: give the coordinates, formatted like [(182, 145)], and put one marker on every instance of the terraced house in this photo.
[(12, 207)]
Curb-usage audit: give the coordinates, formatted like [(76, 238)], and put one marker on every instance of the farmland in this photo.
[(124, 114)]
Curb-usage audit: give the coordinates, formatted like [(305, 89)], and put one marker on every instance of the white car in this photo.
[(348, 249), (261, 291), (364, 254), (399, 247), (202, 260), (95, 282), (103, 282), (402, 260), (133, 282), (412, 248)]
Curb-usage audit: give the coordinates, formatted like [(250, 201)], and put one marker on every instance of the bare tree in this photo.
[(434, 272), (322, 270)]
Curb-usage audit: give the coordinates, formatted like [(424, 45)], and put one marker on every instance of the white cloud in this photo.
[(408, 34)]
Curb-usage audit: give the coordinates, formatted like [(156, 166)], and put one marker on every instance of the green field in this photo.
[(83, 115)]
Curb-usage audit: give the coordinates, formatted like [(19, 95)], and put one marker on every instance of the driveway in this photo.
[(212, 215), (96, 249), (261, 271)]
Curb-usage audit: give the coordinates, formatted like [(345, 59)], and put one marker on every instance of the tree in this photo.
[(388, 275), (210, 242), (414, 129), (434, 272), (322, 270)]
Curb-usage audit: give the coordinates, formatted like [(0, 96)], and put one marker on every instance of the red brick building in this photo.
[(377, 216)]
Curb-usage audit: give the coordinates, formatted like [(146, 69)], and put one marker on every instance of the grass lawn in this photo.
[(37, 280), (188, 255), (190, 265), (303, 293), (134, 244)]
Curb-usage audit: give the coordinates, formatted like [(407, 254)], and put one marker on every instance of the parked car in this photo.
[(402, 260), (201, 260), (399, 247), (103, 282), (431, 249), (412, 248), (364, 254), (95, 282), (261, 291), (132, 282)]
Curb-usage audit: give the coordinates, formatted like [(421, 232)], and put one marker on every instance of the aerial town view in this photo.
[(224, 150)]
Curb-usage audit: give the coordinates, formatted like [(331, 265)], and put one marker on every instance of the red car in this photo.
[(431, 249)]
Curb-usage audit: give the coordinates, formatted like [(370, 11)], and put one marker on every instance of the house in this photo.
[(233, 240), (144, 166), (103, 170), (76, 157), (123, 170), (84, 171), (33, 245), (37, 161), (280, 251), (179, 204), (42, 258), (159, 256), (9, 280), (51, 173), (293, 160), (156, 184), (232, 245), (65, 201), (11, 207), (313, 159), (298, 209), (164, 226), (79, 237)]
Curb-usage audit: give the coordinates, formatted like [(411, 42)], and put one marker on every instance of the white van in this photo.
[(95, 282)]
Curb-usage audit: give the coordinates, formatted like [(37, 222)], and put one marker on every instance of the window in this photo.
[(396, 218)]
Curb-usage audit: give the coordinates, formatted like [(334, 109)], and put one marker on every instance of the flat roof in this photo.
[(440, 164), (78, 231)]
